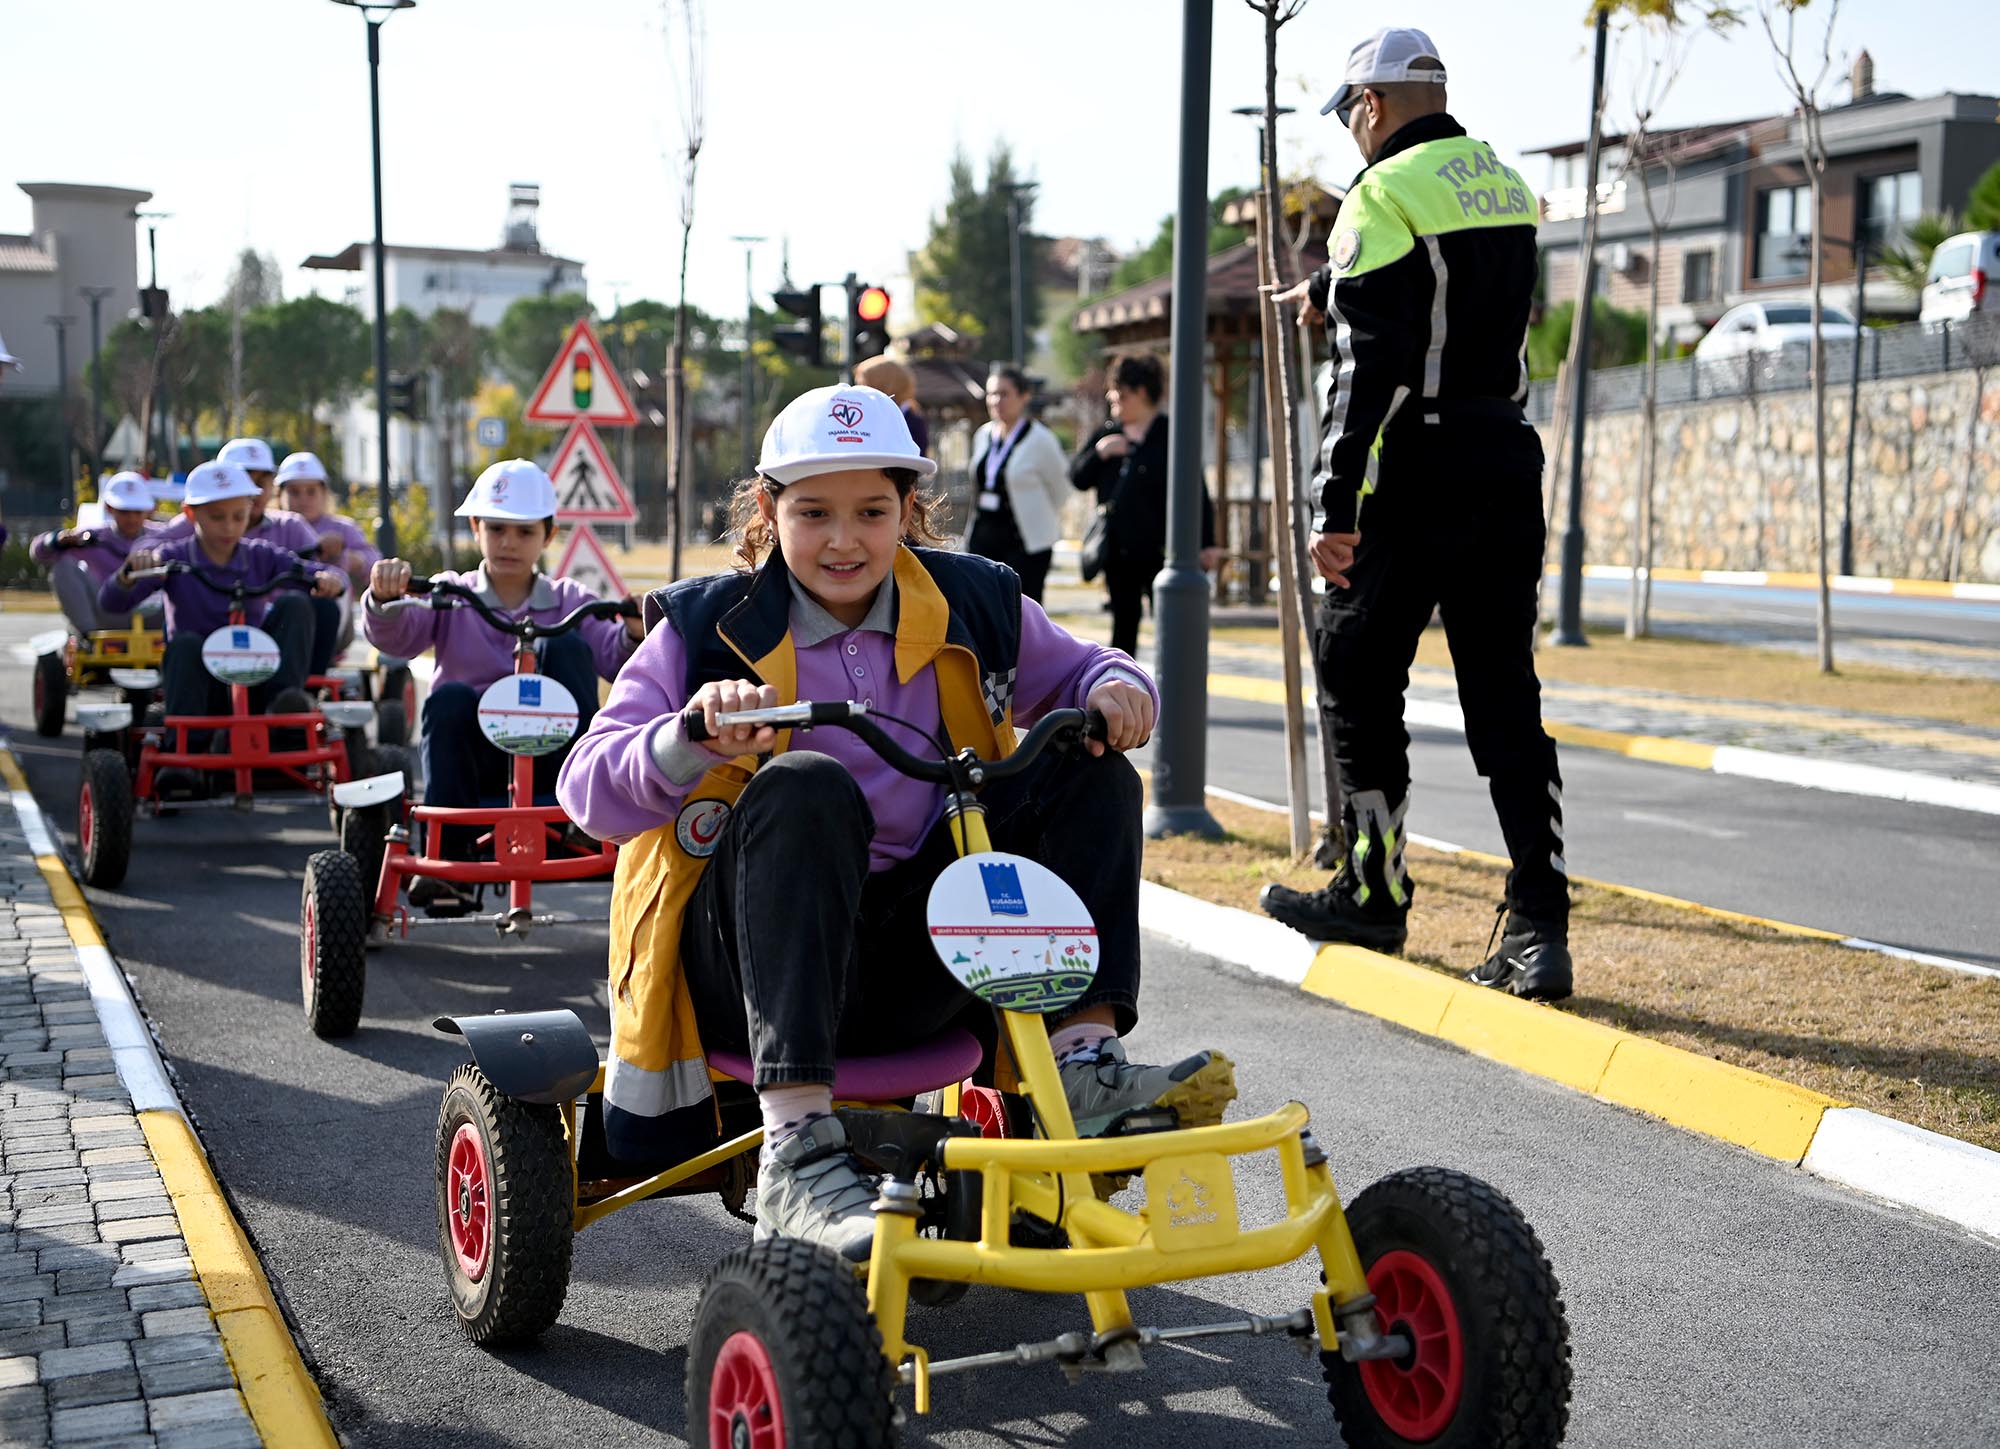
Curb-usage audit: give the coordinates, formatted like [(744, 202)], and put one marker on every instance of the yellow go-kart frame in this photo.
[(1438, 1323), (83, 661)]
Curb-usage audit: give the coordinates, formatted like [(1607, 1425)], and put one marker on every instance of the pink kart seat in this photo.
[(947, 1058)]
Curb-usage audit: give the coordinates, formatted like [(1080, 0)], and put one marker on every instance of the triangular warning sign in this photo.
[(584, 560), (588, 488), (582, 383)]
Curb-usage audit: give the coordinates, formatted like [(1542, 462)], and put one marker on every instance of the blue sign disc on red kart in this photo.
[(1013, 932), (240, 654), (527, 714)]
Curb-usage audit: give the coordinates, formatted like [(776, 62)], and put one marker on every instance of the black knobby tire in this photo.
[(790, 1323), (1454, 1263), (51, 694), (392, 724), (517, 1211), (364, 834), (104, 818), (333, 938)]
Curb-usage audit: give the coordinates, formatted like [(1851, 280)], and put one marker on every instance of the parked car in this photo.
[(1770, 327), (1964, 278)]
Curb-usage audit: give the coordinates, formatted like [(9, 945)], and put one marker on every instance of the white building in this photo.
[(426, 279), (80, 236)]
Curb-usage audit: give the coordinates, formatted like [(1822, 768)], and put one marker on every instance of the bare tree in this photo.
[(1780, 19), (687, 45)]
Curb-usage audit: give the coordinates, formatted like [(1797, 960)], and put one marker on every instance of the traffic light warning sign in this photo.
[(582, 383), (584, 560), (588, 488)]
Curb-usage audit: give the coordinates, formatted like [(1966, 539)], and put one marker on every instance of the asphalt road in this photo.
[(1713, 1296)]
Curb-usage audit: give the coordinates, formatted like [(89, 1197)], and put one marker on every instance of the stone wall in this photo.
[(1734, 481)]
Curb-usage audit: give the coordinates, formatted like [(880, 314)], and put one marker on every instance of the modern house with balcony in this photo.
[(1736, 207)]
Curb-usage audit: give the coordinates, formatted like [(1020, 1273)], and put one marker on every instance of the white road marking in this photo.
[(1674, 822)]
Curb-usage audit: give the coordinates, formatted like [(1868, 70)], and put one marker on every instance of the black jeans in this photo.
[(794, 953), (461, 765), (1456, 527), (326, 634), (995, 535), (186, 686), (1130, 584)]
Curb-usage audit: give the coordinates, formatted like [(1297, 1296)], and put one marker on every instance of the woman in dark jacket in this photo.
[(1125, 462)]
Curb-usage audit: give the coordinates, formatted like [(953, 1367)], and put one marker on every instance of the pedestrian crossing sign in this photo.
[(588, 488), (582, 384), (584, 560)]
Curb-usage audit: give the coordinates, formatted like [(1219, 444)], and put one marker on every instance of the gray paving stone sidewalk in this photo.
[(105, 1336)]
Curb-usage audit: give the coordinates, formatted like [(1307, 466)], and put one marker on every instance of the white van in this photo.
[(1964, 278)]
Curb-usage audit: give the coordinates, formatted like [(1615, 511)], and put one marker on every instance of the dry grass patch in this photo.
[(1908, 1041)]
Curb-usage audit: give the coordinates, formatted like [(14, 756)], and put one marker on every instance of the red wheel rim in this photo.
[(983, 1107), (86, 821), (1416, 1395), (744, 1411), (308, 950), (468, 1201)]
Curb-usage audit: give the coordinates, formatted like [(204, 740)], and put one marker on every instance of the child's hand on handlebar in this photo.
[(388, 579), (328, 585), (1128, 715), (720, 697), (139, 560)]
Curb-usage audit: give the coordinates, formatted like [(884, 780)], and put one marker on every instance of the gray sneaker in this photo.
[(811, 1187), (1104, 1088)]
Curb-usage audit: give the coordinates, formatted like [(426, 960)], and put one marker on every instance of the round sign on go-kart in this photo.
[(527, 714), (240, 654), (1013, 932)]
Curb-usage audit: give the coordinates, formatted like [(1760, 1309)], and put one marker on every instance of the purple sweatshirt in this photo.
[(471, 651), (277, 528), (192, 605), (358, 555), (633, 766), (103, 556)]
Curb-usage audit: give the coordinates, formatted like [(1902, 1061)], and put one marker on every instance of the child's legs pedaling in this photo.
[(325, 634), (460, 763), (289, 621), (76, 595)]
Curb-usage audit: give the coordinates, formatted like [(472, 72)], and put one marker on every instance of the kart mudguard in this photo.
[(545, 1057)]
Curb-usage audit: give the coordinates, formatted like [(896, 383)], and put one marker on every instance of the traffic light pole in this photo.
[(852, 288), (1180, 592)]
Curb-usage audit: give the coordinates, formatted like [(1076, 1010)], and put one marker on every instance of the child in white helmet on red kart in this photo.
[(512, 508), (776, 907)]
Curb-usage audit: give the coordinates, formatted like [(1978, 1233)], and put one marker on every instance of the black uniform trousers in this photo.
[(1455, 525), (795, 953)]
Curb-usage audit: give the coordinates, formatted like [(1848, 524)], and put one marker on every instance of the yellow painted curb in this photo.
[(282, 1398), (1696, 1092)]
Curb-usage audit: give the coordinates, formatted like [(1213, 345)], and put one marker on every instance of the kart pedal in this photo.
[(1144, 1119)]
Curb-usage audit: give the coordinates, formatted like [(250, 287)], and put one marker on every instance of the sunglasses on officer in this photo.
[(1345, 113)]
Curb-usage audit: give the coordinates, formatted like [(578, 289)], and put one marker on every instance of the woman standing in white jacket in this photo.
[(1020, 478)]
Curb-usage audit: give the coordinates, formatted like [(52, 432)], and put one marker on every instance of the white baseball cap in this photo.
[(512, 489), (218, 479), (251, 454), (831, 428), (301, 468), (1383, 58), (128, 490)]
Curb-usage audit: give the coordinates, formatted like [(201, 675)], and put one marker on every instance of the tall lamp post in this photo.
[(750, 244), (1569, 615), (61, 324), (153, 307), (1018, 349), (96, 296), (375, 12)]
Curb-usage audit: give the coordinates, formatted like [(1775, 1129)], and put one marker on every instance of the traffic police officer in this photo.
[(1429, 491)]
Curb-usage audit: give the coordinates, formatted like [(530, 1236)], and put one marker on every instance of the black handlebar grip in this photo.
[(1095, 727), (417, 585), (694, 726)]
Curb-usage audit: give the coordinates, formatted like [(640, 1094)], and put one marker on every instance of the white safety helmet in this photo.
[(253, 455), (301, 468), (833, 428), (128, 490), (513, 490), (214, 481)]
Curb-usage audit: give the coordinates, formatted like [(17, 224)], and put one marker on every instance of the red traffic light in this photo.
[(872, 305)]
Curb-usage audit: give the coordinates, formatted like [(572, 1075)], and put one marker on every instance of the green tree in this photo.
[(457, 347), (299, 355), (530, 331), (964, 273), (1982, 207), (1157, 258), (1909, 264), (1617, 337)]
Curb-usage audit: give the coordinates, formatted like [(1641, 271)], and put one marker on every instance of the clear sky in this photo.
[(831, 123)]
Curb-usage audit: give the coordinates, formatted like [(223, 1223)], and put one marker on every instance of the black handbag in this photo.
[(1090, 559)]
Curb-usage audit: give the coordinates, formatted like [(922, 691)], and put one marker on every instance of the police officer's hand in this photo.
[(1333, 555), (726, 696), (1128, 715), (1301, 293), (388, 579)]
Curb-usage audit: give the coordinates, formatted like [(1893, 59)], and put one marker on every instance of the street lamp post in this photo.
[(96, 296), (749, 460), (385, 527), (1018, 353), (153, 306), (1569, 617), (61, 324)]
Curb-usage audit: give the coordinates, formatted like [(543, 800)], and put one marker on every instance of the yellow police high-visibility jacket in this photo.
[(1430, 274)]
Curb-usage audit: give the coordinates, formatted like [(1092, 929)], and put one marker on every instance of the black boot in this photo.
[(1532, 962), (1333, 913)]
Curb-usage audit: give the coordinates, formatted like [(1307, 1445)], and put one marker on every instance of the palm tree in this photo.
[(1909, 265)]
